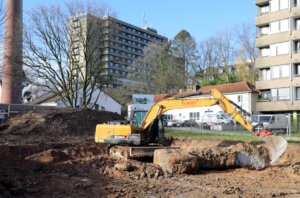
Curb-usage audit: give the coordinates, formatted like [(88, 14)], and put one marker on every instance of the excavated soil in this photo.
[(62, 160)]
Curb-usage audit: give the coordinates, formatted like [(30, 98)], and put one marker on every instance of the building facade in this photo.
[(124, 46), (278, 62)]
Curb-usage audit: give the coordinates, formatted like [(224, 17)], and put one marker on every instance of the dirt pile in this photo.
[(56, 122), (194, 159)]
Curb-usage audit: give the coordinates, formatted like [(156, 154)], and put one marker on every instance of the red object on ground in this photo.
[(264, 133)]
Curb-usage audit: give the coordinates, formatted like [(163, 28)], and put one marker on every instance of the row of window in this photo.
[(281, 71), (279, 94), (135, 37), (132, 42), (279, 26), (126, 47), (124, 66), (123, 73), (112, 50), (275, 5), (139, 32), (133, 62), (276, 49)]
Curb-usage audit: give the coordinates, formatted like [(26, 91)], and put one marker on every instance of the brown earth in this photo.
[(38, 160)]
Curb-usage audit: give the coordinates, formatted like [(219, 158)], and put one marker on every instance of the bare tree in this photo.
[(2, 14), (247, 52), (64, 51), (225, 50)]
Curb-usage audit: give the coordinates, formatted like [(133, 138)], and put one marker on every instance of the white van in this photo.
[(276, 122)]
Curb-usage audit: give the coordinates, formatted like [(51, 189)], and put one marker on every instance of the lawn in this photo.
[(209, 136), (295, 138)]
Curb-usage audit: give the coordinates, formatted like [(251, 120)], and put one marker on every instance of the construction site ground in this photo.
[(53, 154)]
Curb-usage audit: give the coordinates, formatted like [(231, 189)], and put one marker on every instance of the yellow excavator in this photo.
[(132, 141)]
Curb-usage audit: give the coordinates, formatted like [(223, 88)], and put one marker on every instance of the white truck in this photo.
[(276, 122)]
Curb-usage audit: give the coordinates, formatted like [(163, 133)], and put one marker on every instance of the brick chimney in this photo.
[(12, 72)]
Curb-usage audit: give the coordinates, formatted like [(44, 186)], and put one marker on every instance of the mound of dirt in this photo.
[(49, 156), (56, 122)]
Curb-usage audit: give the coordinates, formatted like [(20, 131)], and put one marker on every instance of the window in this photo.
[(284, 94), (279, 5), (297, 46), (240, 98), (279, 49), (265, 52), (274, 27), (280, 94), (279, 26), (265, 30), (296, 3), (266, 74), (265, 9), (274, 94), (284, 71), (275, 72), (297, 24), (297, 93), (297, 69), (284, 25), (281, 71), (194, 115), (274, 5)]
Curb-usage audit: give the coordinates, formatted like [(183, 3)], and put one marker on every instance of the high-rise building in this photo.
[(278, 62), (124, 46)]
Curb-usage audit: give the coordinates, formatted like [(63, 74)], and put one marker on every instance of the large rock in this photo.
[(194, 159), (175, 161)]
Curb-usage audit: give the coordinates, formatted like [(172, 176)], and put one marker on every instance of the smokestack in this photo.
[(12, 72)]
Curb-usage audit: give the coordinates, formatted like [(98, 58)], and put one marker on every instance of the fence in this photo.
[(288, 124)]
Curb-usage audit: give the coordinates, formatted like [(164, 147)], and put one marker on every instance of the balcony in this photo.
[(275, 83), (295, 12), (272, 38), (272, 16), (274, 106), (259, 2), (262, 62), (295, 34)]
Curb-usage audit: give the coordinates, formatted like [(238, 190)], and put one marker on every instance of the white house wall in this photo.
[(246, 104), (104, 102)]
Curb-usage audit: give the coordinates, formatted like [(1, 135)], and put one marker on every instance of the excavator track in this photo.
[(134, 152)]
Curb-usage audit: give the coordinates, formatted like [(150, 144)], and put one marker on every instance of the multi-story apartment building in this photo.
[(124, 46), (278, 42)]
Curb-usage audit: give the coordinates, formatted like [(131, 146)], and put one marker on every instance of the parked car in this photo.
[(276, 122), (189, 123), (173, 123)]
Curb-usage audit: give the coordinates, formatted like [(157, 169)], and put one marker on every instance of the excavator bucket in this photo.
[(276, 145)]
